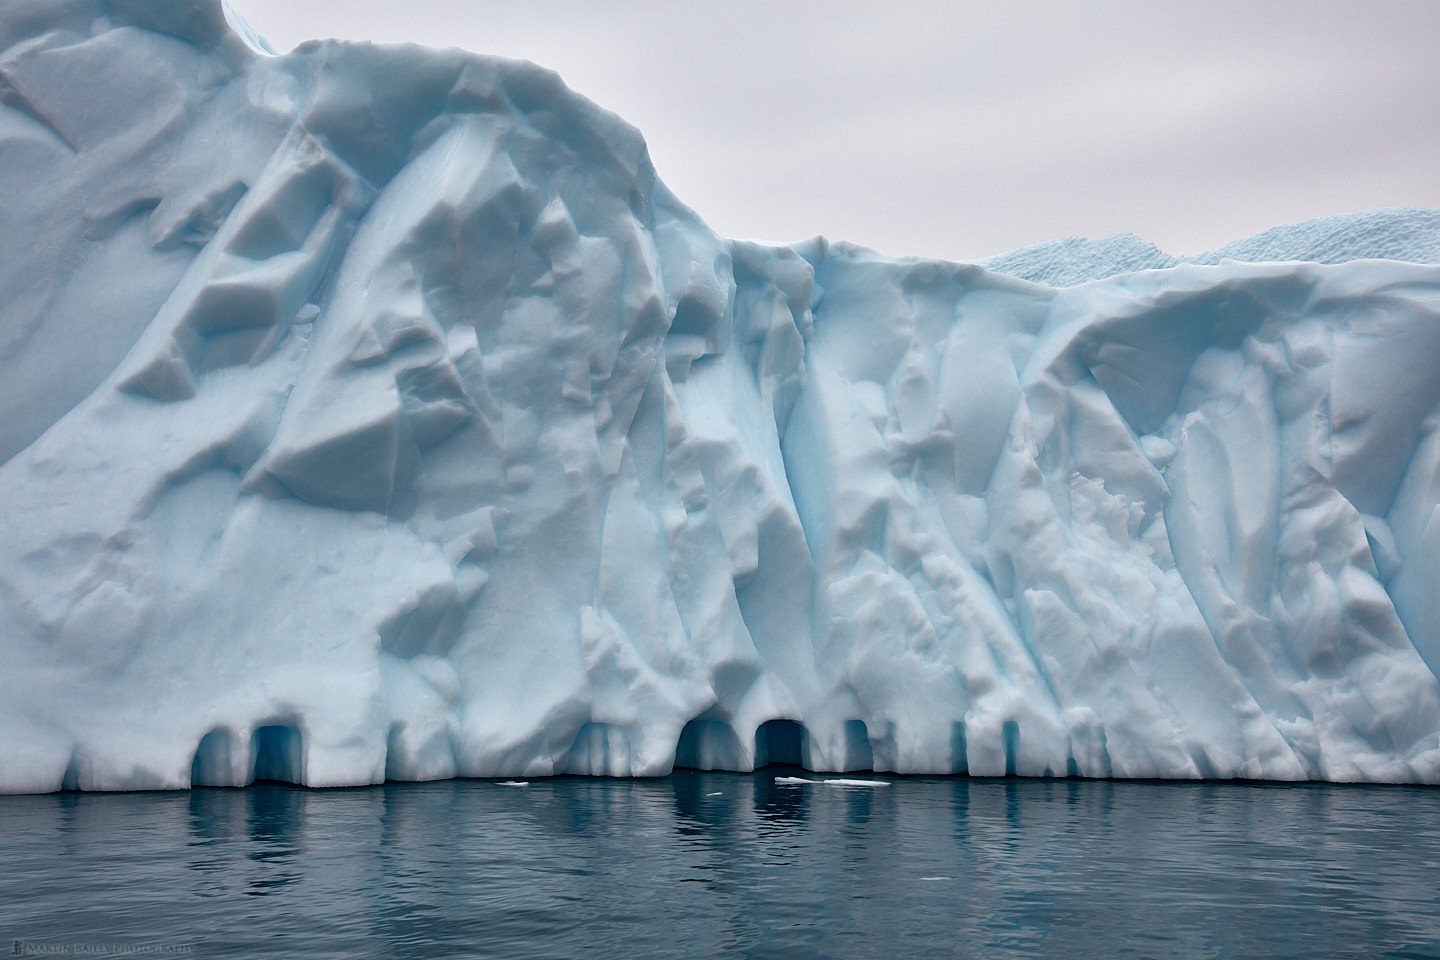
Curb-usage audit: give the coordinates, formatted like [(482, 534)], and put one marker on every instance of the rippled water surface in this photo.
[(700, 865)]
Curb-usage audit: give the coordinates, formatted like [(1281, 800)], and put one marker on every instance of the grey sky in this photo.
[(959, 129)]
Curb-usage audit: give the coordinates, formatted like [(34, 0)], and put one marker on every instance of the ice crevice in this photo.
[(377, 413)]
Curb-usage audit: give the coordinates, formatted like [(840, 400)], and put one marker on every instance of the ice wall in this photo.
[(376, 412)]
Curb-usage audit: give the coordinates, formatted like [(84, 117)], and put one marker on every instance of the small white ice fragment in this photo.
[(842, 782), (793, 780), (717, 793), (513, 783)]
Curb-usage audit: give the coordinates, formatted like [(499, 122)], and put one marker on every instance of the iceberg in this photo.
[(375, 412)]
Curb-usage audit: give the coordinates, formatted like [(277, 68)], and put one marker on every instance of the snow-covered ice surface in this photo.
[(376, 412), (1406, 233)]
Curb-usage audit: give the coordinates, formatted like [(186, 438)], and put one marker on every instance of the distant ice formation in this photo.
[(375, 412), (1409, 234)]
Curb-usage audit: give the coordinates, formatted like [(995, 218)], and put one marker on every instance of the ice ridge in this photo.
[(1399, 233), (375, 412)]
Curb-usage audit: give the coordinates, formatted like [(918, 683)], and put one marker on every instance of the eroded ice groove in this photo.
[(375, 412)]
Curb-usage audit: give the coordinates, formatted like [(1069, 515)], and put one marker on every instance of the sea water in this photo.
[(727, 865)]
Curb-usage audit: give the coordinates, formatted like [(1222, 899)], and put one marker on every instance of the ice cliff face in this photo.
[(376, 412)]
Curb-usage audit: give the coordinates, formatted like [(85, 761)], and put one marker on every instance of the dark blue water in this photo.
[(717, 865)]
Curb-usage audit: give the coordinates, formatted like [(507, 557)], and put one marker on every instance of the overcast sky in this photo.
[(955, 129)]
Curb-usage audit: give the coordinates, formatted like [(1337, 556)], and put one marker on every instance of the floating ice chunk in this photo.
[(376, 412), (832, 782)]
